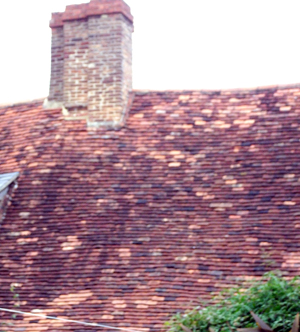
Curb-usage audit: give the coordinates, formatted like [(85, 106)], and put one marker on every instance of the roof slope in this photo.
[(126, 227)]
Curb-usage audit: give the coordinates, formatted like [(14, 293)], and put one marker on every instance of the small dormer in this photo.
[(8, 183)]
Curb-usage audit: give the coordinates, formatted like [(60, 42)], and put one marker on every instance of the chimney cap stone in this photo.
[(93, 8)]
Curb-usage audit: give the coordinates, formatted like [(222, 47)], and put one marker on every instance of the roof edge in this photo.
[(239, 90), (148, 91), (21, 103)]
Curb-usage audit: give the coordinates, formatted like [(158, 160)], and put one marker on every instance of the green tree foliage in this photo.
[(275, 300)]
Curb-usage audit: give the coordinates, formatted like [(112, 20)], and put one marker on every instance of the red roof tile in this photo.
[(198, 190)]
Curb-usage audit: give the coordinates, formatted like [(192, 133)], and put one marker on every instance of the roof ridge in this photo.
[(149, 91), (20, 103), (258, 88)]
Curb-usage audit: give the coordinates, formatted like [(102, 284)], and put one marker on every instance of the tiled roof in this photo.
[(198, 190)]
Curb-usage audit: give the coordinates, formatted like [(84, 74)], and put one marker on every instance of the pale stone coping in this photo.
[(51, 105)]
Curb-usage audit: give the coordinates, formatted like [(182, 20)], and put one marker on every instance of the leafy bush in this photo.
[(274, 299)]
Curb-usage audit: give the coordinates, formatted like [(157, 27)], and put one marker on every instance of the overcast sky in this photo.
[(190, 44)]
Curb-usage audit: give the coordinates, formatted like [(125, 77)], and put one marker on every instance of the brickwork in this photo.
[(76, 49), (127, 61), (110, 38), (57, 65), (93, 77)]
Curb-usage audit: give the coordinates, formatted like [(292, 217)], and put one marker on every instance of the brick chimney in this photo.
[(91, 75)]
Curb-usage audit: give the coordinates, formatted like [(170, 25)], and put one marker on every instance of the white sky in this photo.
[(190, 44)]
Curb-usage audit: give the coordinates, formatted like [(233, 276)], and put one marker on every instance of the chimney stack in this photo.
[(91, 72)]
